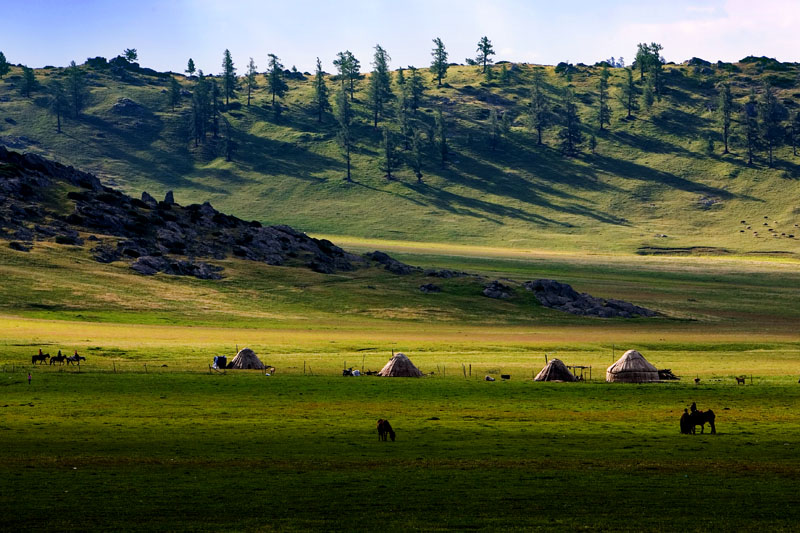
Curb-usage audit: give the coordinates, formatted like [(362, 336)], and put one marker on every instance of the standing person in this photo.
[(29, 378)]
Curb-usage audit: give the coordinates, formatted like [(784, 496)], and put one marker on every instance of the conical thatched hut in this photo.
[(555, 370), (632, 367), (400, 366), (246, 359)]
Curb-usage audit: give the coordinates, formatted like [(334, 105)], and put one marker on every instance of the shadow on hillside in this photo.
[(266, 156), (646, 143), (680, 123), (630, 170), (169, 168)]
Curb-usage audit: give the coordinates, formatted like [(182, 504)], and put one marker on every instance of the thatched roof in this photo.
[(400, 366), (247, 359), (632, 367), (555, 370)]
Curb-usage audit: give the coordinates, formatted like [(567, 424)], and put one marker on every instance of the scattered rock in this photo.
[(495, 289), (563, 297), (18, 246), (126, 106), (392, 265), (169, 198), (430, 288), (148, 200)]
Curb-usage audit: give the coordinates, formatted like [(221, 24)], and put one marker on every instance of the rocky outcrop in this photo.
[(498, 290), (563, 297), (392, 265), (148, 233), (430, 288)]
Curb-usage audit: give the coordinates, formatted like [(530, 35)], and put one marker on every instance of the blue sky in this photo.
[(167, 33)]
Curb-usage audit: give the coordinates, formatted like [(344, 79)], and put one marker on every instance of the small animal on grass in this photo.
[(384, 429), (740, 380), (40, 357), (75, 359), (700, 418), (696, 381)]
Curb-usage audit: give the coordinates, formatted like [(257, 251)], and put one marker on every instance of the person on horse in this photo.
[(693, 408)]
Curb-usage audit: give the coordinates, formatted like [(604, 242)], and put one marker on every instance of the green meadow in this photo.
[(143, 436)]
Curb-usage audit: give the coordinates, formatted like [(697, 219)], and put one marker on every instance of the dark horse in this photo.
[(699, 418), (41, 357), (60, 358), (385, 428), (75, 359)]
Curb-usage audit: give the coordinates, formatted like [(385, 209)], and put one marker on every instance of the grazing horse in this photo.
[(385, 428), (41, 357), (75, 359), (58, 359), (699, 418), (740, 380)]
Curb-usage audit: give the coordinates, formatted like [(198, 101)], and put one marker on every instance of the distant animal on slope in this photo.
[(384, 429), (41, 357), (75, 359), (700, 418), (740, 380)]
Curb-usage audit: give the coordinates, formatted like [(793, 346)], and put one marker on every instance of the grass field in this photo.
[(126, 443)]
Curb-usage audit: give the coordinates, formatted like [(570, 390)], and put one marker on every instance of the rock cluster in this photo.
[(563, 297), (146, 232), (495, 289), (392, 265)]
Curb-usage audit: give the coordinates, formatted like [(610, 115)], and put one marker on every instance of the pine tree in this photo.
[(190, 69), (603, 110), (439, 64), (228, 77), (58, 102), (5, 67), (771, 113), (29, 83), (275, 81), (570, 133), (380, 83), (228, 142), (200, 109), (321, 101), (505, 76), (642, 58), (76, 87), (130, 55), (401, 78), (401, 115), (389, 159), (349, 70), (174, 92), (416, 154), (485, 51), (725, 112), (592, 143), (656, 68), (214, 100), (494, 130), (344, 116), (250, 80), (750, 123), (539, 117), (441, 136), (648, 94), (415, 89), (627, 94)]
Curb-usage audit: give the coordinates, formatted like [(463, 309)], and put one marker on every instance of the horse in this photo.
[(75, 359), (58, 359), (740, 380), (699, 418), (385, 428), (40, 357)]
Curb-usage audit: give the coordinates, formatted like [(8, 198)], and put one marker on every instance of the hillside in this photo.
[(650, 186)]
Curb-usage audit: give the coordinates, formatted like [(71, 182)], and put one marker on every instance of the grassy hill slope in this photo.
[(649, 185)]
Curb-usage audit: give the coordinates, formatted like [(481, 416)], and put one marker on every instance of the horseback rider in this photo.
[(693, 408)]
